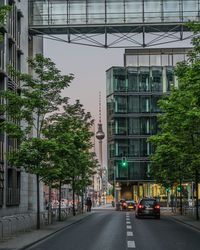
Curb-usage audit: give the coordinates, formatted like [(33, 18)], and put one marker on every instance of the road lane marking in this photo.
[(128, 227), (129, 233), (128, 222), (131, 244)]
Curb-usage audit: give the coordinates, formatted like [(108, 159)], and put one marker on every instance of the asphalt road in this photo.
[(115, 230)]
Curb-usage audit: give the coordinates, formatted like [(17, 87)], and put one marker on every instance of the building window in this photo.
[(144, 80), (145, 126), (120, 127), (154, 104), (157, 84), (145, 104), (120, 104), (119, 79), (134, 126), (134, 148), (13, 187), (133, 104), (133, 81)]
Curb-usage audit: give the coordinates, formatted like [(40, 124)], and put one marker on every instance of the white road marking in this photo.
[(128, 222), (129, 233), (128, 227), (131, 244)]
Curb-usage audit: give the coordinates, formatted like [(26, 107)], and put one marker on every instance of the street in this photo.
[(107, 229)]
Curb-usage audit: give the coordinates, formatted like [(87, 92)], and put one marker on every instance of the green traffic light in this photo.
[(124, 162), (179, 188)]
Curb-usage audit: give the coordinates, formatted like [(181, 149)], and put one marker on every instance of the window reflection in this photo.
[(134, 148), (144, 80), (120, 127), (145, 125), (133, 104), (120, 104), (132, 77), (134, 126), (154, 103), (145, 104), (119, 79), (156, 84), (170, 78)]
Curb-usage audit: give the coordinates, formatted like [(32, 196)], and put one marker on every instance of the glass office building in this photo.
[(133, 92)]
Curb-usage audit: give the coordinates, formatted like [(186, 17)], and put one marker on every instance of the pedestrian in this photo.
[(88, 204)]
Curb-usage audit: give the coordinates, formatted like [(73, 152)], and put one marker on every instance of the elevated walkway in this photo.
[(110, 23)]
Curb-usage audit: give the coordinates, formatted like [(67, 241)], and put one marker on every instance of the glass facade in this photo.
[(55, 12), (132, 108), (133, 93)]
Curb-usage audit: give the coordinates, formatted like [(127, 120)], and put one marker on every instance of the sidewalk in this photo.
[(26, 239), (184, 219)]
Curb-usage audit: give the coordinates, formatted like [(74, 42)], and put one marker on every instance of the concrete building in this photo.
[(133, 92), (17, 188)]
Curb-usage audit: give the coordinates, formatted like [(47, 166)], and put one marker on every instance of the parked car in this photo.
[(148, 207), (130, 205)]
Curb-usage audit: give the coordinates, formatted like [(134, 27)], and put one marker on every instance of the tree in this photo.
[(72, 130), (26, 112), (177, 144)]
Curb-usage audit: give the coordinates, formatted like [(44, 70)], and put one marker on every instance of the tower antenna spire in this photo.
[(100, 107)]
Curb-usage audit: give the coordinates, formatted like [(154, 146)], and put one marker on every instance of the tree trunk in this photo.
[(49, 206), (60, 198), (82, 201), (181, 198), (38, 200), (73, 196)]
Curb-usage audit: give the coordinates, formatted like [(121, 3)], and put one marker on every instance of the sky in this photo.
[(89, 65)]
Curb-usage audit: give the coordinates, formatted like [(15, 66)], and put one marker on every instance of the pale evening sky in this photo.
[(88, 64)]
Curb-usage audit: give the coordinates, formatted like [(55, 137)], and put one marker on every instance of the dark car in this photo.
[(148, 207), (130, 205)]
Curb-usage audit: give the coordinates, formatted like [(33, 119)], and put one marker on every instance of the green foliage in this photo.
[(4, 10), (177, 144), (72, 130), (60, 152)]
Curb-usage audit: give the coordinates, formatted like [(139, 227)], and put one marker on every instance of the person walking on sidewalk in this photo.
[(88, 204)]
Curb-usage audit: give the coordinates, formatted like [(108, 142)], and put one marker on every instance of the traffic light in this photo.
[(124, 162), (179, 188)]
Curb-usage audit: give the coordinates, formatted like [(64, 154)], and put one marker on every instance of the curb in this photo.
[(52, 233), (185, 223)]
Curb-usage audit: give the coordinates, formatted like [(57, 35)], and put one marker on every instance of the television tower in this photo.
[(100, 134)]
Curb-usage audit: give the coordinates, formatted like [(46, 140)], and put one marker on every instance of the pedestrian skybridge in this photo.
[(113, 23)]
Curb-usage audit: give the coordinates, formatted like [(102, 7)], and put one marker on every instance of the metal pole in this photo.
[(114, 188), (197, 193)]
